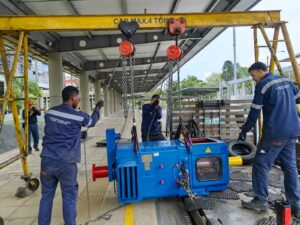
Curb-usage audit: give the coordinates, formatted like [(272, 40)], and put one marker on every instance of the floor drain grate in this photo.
[(240, 186), (227, 194), (272, 221), (240, 176)]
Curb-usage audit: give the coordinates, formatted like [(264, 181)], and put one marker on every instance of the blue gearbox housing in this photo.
[(157, 168)]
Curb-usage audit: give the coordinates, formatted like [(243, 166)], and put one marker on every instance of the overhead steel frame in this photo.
[(146, 21)]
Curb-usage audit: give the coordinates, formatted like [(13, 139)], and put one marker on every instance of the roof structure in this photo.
[(97, 51)]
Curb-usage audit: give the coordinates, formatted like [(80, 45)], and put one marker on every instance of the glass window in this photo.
[(209, 168)]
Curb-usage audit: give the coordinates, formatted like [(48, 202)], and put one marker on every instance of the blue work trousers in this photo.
[(53, 172), (267, 152), (34, 131)]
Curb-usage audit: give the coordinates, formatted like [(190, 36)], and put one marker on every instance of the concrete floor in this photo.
[(24, 211)]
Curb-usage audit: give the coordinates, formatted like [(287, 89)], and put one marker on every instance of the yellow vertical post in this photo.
[(291, 52), (256, 55), (273, 54), (14, 104), (274, 46), (25, 44)]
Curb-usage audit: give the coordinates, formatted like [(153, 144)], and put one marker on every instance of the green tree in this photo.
[(227, 71), (33, 89), (214, 79), (192, 81)]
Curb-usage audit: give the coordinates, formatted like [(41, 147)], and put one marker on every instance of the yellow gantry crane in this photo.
[(258, 20)]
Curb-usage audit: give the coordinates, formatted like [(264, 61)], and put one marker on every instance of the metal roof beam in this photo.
[(119, 73), (111, 64), (80, 43), (145, 21)]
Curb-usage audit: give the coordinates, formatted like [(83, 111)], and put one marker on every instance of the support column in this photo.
[(56, 78), (84, 92), (115, 101), (111, 106), (106, 101)]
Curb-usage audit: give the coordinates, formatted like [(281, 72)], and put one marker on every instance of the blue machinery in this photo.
[(164, 168)]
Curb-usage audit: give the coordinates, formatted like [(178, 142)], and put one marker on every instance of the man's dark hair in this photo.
[(68, 92), (258, 66), (155, 96)]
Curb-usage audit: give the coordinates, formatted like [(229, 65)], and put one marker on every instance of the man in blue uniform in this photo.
[(33, 128), (277, 97), (61, 152), (151, 125)]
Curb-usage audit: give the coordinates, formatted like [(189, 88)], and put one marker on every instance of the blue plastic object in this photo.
[(154, 171)]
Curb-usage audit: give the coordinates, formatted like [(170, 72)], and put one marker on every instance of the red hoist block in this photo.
[(99, 172), (126, 48), (174, 52)]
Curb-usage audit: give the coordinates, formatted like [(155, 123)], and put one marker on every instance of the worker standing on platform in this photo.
[(151, 125), (61, 152), (277, 97)]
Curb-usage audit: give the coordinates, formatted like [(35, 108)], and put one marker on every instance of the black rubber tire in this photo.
[(244, 149), (35, 186), (1, 221)]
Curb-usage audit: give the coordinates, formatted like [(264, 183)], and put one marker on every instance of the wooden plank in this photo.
[(229, 125), (212, 108), (214, 114)]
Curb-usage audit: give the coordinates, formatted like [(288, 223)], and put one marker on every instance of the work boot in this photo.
[(296, 211), (256, 204)]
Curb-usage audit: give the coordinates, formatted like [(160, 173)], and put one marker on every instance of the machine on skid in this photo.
[(164, 168)]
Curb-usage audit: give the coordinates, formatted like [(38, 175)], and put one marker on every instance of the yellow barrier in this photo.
[(235, 161)]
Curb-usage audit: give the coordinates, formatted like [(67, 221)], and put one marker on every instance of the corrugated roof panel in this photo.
[(72, 34), (94, 54), (111, 53), (50, 7), (190, 6), (99, 7), (153, 6), (158, 66)]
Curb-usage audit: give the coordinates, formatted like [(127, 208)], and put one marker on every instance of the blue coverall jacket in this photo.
[(61, 152), (277, 97), (151, 116), (62, 132)]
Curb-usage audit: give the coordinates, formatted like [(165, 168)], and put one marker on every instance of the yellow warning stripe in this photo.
[(128, 219)]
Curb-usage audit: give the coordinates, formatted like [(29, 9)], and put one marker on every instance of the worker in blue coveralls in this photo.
[(61, 152), (277, 97), (33, 128), (151, 125)]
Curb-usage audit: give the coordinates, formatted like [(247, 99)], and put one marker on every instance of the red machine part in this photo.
[(174, 52), (99, 171), (176, 27), (126, 48)]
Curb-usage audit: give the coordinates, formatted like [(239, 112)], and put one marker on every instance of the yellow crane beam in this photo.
[(145, 21)]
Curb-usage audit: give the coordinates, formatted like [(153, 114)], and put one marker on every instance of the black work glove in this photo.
[(100, 104), (242, 136)]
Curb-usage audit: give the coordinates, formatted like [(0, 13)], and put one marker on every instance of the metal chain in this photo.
[(124, 86), (86, 181), (185, 184), (169, 98), (131, 69), (178, 86)]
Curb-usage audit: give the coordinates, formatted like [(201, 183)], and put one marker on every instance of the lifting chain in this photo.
[(169, 126), (124, 86), (185, 181)]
